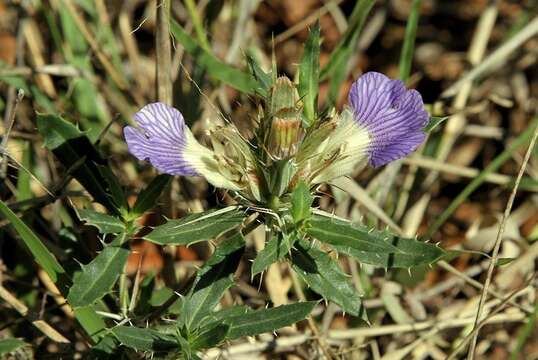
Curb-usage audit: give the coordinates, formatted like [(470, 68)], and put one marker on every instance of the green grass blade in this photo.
[(10, 345), (337, 67), (39, 251), (309, 77), (231, 76), (86, 316), (522, 139), (408, 48)]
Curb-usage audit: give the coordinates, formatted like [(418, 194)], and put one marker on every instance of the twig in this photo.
[(311, 324), (498, 240), (10, 122), (163, 53), (90, 38), (41, 325), (307, 21)]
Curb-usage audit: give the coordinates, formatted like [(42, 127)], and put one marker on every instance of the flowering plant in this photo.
[(273, 177)]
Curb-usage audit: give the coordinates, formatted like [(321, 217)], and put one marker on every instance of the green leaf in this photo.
[(97, 278), (39, 251), (279, 175), (301, 202), (406, 57), (75, 151), (264, 79), (105, 223), (337, 67), (144, 339), (323, 275), (275, 249), (209, 337), (196, 227), (217, 317), (309, 77), (267, 320), (10, 345), (149, 196), (372, 247), (213, 279), (434, 122), (229, 75), (113, 188)]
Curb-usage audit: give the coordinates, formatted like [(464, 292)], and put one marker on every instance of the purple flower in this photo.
[(393, 116), (167, 143)]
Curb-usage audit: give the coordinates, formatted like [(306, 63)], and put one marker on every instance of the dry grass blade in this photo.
[(498, 241), (496, 58)]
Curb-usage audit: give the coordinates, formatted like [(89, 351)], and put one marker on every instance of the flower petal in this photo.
[(393, 116), (162, 139)]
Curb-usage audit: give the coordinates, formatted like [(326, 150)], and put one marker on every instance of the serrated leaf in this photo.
[(275, 249), (144, 339), (97, 278), (434, 122), (309, 76), (149, 196), (323, 275), (373, 247), (236, 78), (196, 227), (267, 320), (212, 280), (75, 151), (209, 337), (105, 223), (301, 202), (10, 345)]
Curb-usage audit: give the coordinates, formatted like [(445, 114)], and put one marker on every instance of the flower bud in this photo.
[(285, 109)]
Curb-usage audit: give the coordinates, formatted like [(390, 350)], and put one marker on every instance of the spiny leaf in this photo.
[(196, 227), (209, 337), (149, 196), (212, 280), (323, 275), (372, 247), (144, 339), (96, 279), (275, 249), (267, 320), (75, 151), (301, 202), (105, 223)]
